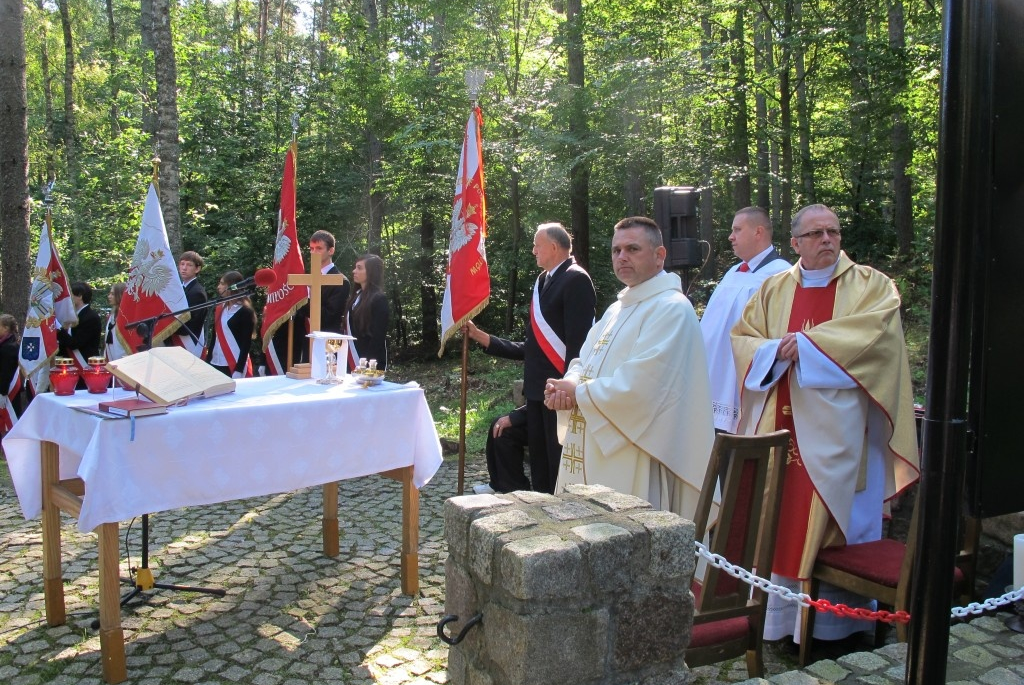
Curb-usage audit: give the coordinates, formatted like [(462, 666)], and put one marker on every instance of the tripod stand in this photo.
[(144, 577)]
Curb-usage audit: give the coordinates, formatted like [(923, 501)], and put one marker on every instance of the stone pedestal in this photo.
[(588, 587)]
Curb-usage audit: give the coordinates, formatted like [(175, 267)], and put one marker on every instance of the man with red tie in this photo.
[(751, 239), (561, 314)]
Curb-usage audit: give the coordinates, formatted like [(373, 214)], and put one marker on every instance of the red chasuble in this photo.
[(811, 306)]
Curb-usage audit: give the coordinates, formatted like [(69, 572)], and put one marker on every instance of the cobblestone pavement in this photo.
[(291, 615)]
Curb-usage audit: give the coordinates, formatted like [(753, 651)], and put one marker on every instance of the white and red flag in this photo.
[(49, 305), (467, 281), (154, 287), (283, 299)]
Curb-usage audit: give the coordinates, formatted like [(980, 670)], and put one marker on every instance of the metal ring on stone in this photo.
[(477, 618)]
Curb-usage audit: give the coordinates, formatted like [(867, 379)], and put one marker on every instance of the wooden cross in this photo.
[(316, 280)]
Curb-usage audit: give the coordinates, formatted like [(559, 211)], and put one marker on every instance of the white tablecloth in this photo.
[(271, 435)]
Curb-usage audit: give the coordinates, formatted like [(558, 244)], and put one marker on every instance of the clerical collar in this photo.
[(759, 257), (817, 278)]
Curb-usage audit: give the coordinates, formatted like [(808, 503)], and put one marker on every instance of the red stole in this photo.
[(811, 306)]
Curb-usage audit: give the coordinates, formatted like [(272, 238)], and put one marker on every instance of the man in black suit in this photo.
[(333, 299), (192, 338), (82, 340), (561, 314)]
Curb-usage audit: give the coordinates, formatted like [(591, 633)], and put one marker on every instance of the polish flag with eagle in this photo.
[(467, 280)]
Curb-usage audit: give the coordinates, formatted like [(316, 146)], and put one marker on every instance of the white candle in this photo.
[(1018, 560)]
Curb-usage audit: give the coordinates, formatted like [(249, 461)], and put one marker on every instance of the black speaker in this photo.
[(675, 210), (995, 467)]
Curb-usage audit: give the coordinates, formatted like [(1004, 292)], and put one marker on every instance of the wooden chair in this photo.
[(882, 570), (728, 618)]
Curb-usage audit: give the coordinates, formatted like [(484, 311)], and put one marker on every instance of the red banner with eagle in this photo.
[(467, 281)]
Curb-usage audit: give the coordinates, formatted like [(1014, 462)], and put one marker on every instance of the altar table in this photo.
[(271, 435)]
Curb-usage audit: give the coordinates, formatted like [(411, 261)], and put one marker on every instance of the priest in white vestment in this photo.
[(821, 352), (636, 402), (751, 238)]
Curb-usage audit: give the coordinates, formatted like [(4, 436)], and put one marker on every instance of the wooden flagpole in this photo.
[(291, 319), (462, 414), (474, 81)]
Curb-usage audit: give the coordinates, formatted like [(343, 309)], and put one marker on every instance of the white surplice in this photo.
[(723, 311), (643, 423)]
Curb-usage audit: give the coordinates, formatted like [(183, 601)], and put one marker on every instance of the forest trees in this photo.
[(588, 107), (14, 201)]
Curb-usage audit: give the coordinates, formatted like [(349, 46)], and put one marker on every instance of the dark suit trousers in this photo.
[(505, 459), (545, 452)]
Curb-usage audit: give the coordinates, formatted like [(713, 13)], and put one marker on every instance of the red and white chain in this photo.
[(823, 605)]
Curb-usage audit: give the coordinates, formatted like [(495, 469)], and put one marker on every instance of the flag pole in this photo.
[(474, 81), (295, 161), (156, 174)]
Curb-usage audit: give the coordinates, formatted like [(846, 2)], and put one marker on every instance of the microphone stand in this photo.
[(143, 574), (145, 326)]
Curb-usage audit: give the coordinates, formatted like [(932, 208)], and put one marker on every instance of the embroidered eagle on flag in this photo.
[(147, 276)]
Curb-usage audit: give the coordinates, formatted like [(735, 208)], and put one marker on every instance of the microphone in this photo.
[(263, 278)]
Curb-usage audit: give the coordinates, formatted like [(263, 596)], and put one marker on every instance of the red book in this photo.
[(132, 406)]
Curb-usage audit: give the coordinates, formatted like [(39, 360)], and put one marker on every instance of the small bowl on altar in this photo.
[(367, 377)]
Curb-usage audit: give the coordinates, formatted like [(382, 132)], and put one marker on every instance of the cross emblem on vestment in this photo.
[(576, 422), (572, 457)]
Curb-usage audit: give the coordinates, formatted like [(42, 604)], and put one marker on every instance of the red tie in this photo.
[(744, 267)]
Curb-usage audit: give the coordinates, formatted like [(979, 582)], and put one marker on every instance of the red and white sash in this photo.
[(353, 353), (552, 346), (8, 417), (226, 341)]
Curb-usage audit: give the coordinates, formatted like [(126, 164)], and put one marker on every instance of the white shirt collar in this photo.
[(759, 257)]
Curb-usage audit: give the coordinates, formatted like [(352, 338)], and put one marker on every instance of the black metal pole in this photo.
[(962, 203)]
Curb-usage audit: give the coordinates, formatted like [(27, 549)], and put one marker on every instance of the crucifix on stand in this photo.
[(316, 280)]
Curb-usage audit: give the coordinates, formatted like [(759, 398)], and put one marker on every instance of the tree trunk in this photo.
[(902, 146), (579, 171), (70, 148), (167, 146), (115, 71), (740, 125), (803, 111), (517, 234), (762, 65), (786, 124), (69, 97), (706, 166), (378, 200), (15, 260), (428, 293), (860, 96), (51, 132)]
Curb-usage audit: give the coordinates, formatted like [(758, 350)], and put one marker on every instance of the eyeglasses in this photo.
[(818, 233)]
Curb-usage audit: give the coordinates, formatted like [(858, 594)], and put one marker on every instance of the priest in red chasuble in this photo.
[(821, 352)]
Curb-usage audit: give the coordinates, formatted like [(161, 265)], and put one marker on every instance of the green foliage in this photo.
[(671, 98)]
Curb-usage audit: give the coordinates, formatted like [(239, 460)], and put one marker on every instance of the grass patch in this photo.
[(489, 382)]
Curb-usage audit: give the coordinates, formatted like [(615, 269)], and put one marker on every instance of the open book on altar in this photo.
[(170, 374)]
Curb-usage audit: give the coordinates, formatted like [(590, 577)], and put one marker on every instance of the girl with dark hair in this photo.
[(113, 347), (10, 377), (367, 317), (233, 325)]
